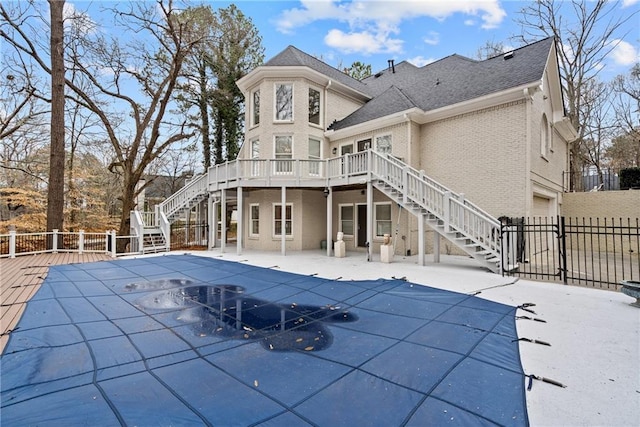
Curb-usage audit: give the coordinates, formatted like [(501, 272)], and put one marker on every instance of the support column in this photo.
[(436, 247), (283, 224), (329, 220), (369, 219), (212, 215), (421, 220), (239, 224), (223, 220)]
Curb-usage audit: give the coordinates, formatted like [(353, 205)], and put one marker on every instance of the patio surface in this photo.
[(594, 334)]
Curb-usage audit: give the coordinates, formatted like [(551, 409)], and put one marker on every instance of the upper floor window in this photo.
[(255, 107), (314, 106), (364, 145), (284, 102), (383, 144), (314, 154), (283, 153), (346, 149), (544, 136)]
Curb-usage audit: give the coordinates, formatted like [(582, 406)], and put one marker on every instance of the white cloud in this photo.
[(420, 61), (624, 53), (371, 23), (628, 3), (80, 21), (362, 42)]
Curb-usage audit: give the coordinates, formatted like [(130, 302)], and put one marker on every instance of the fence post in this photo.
[(54, 247), (80, 241), (562, 237), (113, 243), (12, 242)]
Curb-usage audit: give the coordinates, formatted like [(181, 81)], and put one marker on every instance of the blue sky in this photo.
[(420, 31)]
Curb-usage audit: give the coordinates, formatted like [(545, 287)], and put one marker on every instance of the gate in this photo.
[(591, 252)]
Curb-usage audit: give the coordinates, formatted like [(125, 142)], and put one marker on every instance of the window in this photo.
[(314, 106), (254, 219), (314, 154), (346, 219), (383, 144), (346, 149), (277, 220), (382, 219), (255, 155), (544, 136), (284, 153), (364, 144), (255, 102), (284, 102)]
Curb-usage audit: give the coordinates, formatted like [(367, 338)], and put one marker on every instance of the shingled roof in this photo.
[(293, 56), (449, 81)]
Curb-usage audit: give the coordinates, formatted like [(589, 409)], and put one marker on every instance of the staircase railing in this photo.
[(456, 213), (196, 186)]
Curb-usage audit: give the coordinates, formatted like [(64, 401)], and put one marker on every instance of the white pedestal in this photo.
[(339, 249), (386, 253)]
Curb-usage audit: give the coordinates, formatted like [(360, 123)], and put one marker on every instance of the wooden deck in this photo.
[(21, 277)]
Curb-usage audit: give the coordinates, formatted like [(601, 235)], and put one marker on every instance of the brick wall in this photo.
[(602, 204)]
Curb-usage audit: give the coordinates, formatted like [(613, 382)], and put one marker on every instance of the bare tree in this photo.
[(130, 84), (55, 191), (625, 148), (583, 45)]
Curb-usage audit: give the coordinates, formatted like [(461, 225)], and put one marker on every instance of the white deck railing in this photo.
[(457, 213)]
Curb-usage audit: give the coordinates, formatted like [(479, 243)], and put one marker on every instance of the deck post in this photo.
[(239, 223), (436, 247), (80, 241), (223, 220), (283, 221), (213, 222), (329, 219), (421, 220), (369, 219), (12, 242)]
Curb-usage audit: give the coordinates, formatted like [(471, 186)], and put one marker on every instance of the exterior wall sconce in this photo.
[(334, 150), (326, 192)]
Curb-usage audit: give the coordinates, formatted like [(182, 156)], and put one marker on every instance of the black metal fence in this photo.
[(590, 180), (595, 252)]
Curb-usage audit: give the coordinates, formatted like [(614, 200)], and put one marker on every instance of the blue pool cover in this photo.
[(188, 340)]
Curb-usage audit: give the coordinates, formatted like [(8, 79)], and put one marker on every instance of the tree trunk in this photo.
[(55, 191), (204, 114)]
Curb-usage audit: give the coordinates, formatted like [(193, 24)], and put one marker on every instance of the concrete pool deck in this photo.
[(594, 334)]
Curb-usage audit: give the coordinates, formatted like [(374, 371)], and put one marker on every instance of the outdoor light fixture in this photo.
[(326, 192), (335, 150)]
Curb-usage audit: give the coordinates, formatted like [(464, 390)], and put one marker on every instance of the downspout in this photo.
[(324, 113)]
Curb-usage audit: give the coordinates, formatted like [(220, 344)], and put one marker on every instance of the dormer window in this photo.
[(284, 102), (314, 106)]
